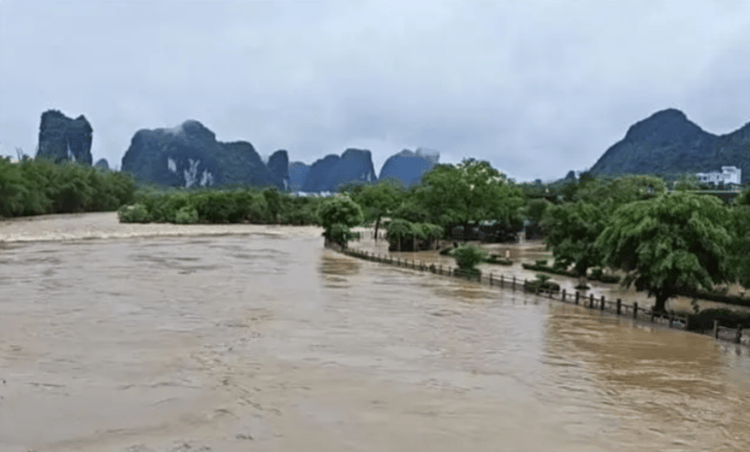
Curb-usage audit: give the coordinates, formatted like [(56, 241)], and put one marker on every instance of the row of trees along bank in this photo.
[(38, 186), (665, 243)]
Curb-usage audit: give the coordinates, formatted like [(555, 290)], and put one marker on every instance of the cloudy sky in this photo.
[(537, 87)]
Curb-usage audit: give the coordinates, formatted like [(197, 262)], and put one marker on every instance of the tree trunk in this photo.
[(377, 226), (661, 302), (466, 231)]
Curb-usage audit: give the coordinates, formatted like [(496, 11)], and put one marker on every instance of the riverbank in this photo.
[(528, 252), (105, 225)]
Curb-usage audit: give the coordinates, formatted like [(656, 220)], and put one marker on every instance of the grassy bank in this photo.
[(243, 205), (38, 187)]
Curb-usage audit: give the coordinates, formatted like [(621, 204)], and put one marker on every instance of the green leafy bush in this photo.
[(186, 215), (137, 213), (337, 215), (248, 205), (340, 234), (38, 186), (469, 256)]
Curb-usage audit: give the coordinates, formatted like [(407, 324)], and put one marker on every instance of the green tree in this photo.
[(467, 193), (572, 228), (610, 193), (336, 215), (677, 241), (378, 200), (740, 249), (535, 209), (570, 232), (468, 257)]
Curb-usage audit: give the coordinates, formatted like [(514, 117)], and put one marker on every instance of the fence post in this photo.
[(619, 306), (671, 318), (738, 335), (490, 279), (635, 310), (502, 281), (514, 282), (716, 329), (601, 306), (441, 269), (591, 301), (563, 295), (524, 284), (578, 295)]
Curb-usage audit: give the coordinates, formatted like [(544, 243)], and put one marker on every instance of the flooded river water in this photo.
[(266, 341)]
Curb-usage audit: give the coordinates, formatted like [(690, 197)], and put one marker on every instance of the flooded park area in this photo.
[(165, 338)]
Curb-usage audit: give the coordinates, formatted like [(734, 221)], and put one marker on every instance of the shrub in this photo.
[(497, 259), (186, 215), (726, 317), (469, 256), (137, 213), (542, 282)]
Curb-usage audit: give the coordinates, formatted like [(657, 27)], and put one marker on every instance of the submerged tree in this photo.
[(678, 241), (378, 200), (571, 229), (336, 216), (468, 257)]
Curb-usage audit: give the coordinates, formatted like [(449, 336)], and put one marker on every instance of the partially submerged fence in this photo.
[(617, 307)]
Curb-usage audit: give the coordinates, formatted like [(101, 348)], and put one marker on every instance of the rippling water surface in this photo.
[(269, 342)]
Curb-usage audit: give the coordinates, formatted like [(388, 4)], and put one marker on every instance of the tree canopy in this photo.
[(377, 200), (676, 241), (336, 215), (469, 192), (571, 229)]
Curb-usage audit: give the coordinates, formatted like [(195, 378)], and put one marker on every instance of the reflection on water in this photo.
[(157, 344)]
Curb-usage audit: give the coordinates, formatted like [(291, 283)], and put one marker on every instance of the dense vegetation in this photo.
[(665, 243), (462, 195), (337, 215), (38, 186), (247, 205)]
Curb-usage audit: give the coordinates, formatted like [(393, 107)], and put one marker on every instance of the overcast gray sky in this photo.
[(537, 87)]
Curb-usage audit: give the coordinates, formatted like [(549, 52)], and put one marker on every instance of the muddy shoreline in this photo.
[(105, 225)]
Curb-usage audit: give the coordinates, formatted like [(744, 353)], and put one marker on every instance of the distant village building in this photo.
[(728, 175)]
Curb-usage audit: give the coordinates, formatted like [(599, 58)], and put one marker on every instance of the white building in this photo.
[(728, 175)]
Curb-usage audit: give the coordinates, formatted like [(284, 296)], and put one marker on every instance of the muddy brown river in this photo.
[(162, 338)]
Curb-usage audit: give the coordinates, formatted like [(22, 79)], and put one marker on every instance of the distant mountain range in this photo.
[(668, 143), (189, 155)]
